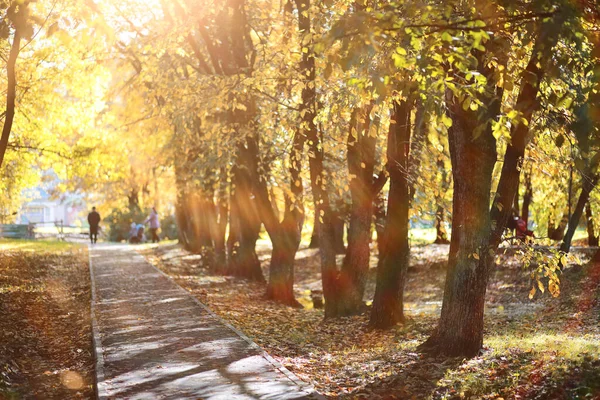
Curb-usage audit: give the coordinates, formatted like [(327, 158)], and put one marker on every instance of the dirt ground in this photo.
[(45, 327), (546, 348)]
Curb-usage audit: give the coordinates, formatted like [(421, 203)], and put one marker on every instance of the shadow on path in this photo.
[(157, 341)]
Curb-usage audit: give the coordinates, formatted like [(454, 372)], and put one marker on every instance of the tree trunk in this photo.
[(584, 196), (441, 236), (221, 223), (361, 164), (286, 240), (245, 222), (338, 225), (308, 112), (592, 236), (285, 235), (379, 221), (11, 93), (515, 152), (477, 230), (181, 222), (527, 197), (314, 237), (460, 329), (394, 253), (180, 204), (557, 232), (133, 199)]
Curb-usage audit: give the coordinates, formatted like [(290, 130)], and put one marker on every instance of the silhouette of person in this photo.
[(94, 221)]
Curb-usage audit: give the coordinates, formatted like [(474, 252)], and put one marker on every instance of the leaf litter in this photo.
[(45, 329), (530, 350)]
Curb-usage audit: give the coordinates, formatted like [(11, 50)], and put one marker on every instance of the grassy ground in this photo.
[(543, 348), (45, 328)]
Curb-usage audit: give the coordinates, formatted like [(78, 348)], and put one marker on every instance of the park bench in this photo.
[(16, 231)]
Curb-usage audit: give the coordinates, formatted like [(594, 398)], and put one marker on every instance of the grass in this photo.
[(38, 245), (421, 236)]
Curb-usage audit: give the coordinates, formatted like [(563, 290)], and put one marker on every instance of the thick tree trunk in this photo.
[(394, 253), (460, 330), (286, 241), (198, 211), (338, 225), (244, 220), (361, 164), (11, 93), (285, 235), (477, 230), (592, 236)]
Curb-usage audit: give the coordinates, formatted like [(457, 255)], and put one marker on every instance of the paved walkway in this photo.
[(155, 341)]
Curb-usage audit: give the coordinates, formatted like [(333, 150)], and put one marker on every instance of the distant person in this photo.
[(94, 221), (139, 238), (154, 225), (521, 231), (132, 232)]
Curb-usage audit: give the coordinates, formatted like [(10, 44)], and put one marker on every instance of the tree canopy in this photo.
[(274, 117)]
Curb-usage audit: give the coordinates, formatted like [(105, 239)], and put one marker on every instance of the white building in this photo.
[(43, 209)]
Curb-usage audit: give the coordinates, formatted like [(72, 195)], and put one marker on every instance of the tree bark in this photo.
[(527, 198), (285, 235), (244, 219), (557, 232), (393, 262), (11, 93), (584, 196), (361, 164), (460, 329), (477, 230), (308, 112), (314, 237), (592, 236), (441, 236), (221, 223), (379, 221)]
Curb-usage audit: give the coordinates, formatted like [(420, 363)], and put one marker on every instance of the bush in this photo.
[(119, 222), (168, 228)]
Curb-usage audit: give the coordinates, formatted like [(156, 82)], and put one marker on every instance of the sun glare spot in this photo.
[(71, 380)]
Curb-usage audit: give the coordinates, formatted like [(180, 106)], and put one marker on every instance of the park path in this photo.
[(154, 340)]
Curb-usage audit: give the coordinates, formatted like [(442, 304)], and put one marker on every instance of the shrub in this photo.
[(119, 222)]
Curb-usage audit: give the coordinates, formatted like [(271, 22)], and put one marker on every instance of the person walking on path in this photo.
[(94, 221), (154, 224)]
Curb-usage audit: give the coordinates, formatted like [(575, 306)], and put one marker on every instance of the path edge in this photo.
[(304, 386), (99, 381)]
